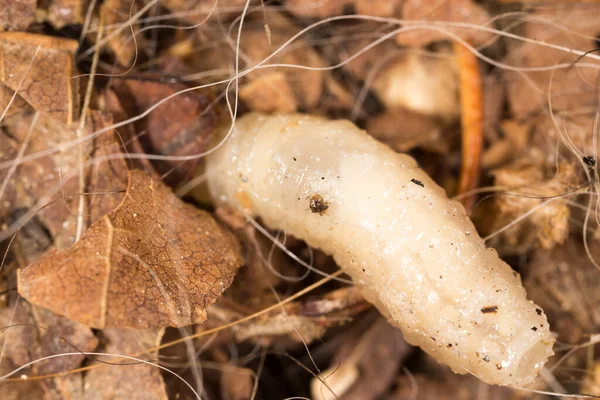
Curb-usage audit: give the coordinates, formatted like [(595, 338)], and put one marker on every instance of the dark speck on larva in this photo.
[(318, 204), (417, 182)]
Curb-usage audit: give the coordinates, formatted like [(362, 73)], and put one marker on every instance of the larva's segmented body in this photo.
[(414, 252)]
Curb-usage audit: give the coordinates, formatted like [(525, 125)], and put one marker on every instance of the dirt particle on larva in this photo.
[(490, 310), (318, 204), (534, 329), (417, 182), (486, 359), (589, 160), (538, 311), (499, 366)]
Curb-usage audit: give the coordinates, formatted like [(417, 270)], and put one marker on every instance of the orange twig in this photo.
[(471, 104)]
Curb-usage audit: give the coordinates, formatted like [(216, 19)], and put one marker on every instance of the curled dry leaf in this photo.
[(466, 11), (35, 333), (47, 85), (16, 15), (182, 126), (135, 382), (152, 262)]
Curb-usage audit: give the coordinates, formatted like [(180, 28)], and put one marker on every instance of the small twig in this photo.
[(471, 104), (86, 104)]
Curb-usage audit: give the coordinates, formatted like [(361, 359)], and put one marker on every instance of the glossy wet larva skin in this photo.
[(414, 252)]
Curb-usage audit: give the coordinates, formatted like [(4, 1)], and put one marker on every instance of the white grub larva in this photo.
[(414, 252)]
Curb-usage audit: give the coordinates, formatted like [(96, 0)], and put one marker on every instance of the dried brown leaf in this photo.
[(35, 183), (63, 12), (182, 126), (564, 283), (16, 15), (135, 382), (152, 262), (256, 45), (571, 89), (269, 93), (48, 85), (39, 333), (122, 45), (330, 8), (418, 130), (466, 11), (530, 185)]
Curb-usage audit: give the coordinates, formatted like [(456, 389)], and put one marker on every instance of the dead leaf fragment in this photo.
[(36, 333), (35, 183), (134, 382), (570, 89), (329, 8), (182, 126), (47, 85), (152, 262), (563, 282), (530, 184), (269, 93), (63, 12), (466, 11), (122, 45), (16, 15), (417, 130), (365, 365)]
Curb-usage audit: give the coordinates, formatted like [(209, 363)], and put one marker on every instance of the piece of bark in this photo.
[(16, 15), (47, 85), (136, 382), (464, 11), (152, 262)]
